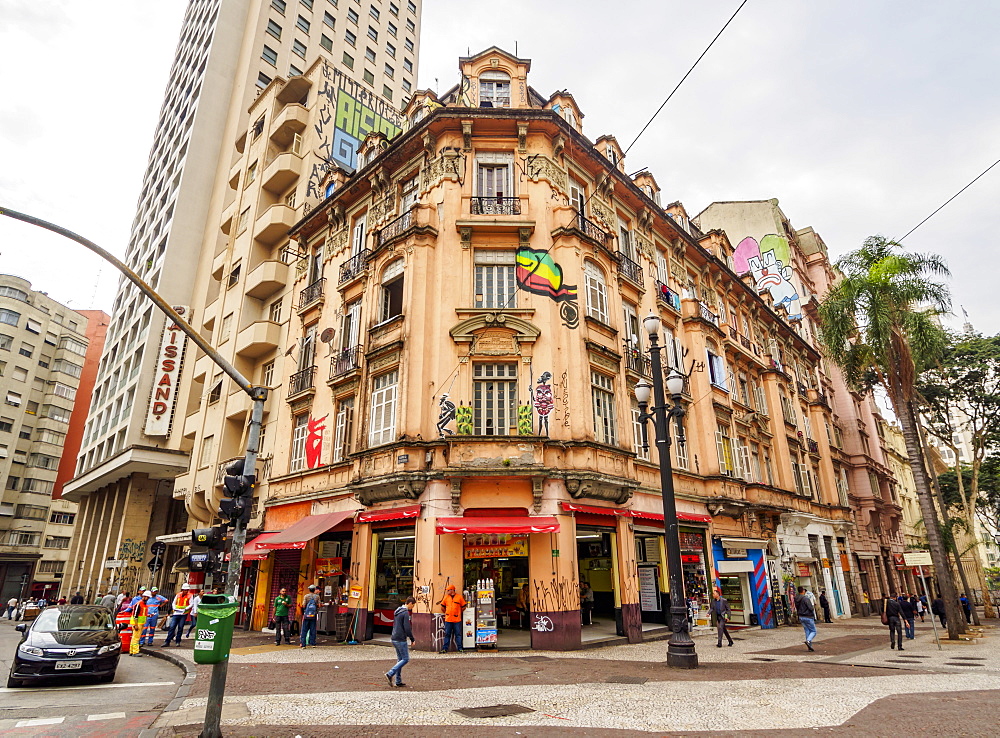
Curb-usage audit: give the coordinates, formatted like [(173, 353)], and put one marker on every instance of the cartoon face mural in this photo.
[(539, 274), (769, 263), (314, 441)]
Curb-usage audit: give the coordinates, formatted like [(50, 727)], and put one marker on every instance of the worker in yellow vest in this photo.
[(140, 611), (181, 606)]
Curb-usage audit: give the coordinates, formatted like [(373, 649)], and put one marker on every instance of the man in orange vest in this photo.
[(452, 605), (181, 606), (140, 610)]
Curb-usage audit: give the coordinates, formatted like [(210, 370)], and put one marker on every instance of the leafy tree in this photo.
[(878, 323), (961, 397)]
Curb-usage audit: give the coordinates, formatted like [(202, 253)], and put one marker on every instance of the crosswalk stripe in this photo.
[(38, 721), (107, 716), (25, 690)]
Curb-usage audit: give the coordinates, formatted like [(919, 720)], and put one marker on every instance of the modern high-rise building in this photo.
[(45, 349), (229, 52)]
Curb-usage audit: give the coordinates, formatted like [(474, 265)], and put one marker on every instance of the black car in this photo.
[(67, 640)]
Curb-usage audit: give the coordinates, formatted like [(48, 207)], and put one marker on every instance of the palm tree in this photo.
[(878, 323)]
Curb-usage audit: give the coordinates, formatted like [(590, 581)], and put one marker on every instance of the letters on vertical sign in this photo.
[(167, 374)]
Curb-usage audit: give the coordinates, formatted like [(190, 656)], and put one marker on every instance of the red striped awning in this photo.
[(253, 552), (594, 510), (394, 513), (684, 516), (529, 524), (304, 530)]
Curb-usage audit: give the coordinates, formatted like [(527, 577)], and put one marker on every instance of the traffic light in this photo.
[(213, 539), (237, 483), (235, 509)]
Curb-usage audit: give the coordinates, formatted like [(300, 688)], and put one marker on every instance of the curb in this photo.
[(190, 674)]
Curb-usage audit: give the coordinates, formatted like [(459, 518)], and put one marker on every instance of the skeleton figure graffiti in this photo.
[(446, 414), (539, 274), (769, 263), (543, 402)]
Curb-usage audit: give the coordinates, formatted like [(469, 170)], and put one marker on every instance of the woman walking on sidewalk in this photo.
[(401, 632)]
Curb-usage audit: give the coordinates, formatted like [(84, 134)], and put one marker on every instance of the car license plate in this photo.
[(69, 665)]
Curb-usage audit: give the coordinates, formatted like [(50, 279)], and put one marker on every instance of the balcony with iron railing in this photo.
[(707, 315), (667, 296), (636, 360), (345, 361), (394, 229), (592, 231), (629, 267), (354, 267), (312, 294), (302, 381), (496, 206)]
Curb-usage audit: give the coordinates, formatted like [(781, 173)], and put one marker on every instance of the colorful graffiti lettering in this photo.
[(539, 274), (314, 441), (347, 113), (543, 402), (769, 263)]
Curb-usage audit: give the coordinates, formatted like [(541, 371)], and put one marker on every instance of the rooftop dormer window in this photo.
[(494, 89)]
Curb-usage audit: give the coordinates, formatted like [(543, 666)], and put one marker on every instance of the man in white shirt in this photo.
[(193, 614), (11, 607)]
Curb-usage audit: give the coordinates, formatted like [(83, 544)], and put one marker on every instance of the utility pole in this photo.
[(217, 687)]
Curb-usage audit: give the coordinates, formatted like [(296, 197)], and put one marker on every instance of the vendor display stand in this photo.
[(486, 616), (469, 625)]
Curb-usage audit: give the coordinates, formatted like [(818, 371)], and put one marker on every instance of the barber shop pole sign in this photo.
[(166, 376)]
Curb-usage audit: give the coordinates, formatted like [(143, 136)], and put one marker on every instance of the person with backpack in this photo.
[(310, 611)]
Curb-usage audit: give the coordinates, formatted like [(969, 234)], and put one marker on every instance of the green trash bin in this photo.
[(214, 631)]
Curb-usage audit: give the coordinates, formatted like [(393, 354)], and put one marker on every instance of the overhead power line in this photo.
[(949, 200)]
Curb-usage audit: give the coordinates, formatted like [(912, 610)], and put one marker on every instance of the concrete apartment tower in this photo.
[(46, 354), (228, 52)]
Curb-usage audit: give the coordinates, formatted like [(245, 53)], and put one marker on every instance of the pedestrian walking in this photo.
[(586, 603), (452, 605), (919, 605), (119, 599), (401, 633), (140, 613), (908, 612), (11, 607), (807, 616), (193, 615), (824, 602), (892, 616), (281, 624), (721, 613), (937, 608), (966, 607), (76, 599), (108, 601), (310, 610), (180, 608)]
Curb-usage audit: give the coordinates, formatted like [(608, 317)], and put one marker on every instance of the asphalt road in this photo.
[(82, 707)]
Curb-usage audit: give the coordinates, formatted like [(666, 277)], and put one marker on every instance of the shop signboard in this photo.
[(826, 563), (736, 553), (649, 591), (804, 570), (495, 546), (898, 561), (331, 567), (845, 562), (918, 558), (355, 593)]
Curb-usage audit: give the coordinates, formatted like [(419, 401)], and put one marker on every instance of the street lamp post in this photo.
[(680, 647)]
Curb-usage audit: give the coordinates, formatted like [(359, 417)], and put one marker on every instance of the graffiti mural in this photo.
[(543, 402), (347, 113), (525, 420), (446, 414), (770, 264), (463, 420), (314, 441), (539, 274)]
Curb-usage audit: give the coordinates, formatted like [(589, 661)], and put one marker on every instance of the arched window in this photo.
[(597, 292), (494, 89), (392, 291)]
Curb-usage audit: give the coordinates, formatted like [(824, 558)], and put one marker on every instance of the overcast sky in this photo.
[(861, 117)]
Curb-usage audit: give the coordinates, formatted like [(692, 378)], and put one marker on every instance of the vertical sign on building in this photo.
[(166, 375)]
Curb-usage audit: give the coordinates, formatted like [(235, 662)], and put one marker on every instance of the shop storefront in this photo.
[(742, 573), (390, 575)]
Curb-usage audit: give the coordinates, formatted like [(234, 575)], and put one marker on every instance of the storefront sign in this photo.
[(402, 458), (804, 570), (649, 590), (355, 593), (333, 567), (690, 559), (691, 541), (166, 376), (736, 553), (555, 553), (845, 562), (898, 561), (496, 546), (826, 563)]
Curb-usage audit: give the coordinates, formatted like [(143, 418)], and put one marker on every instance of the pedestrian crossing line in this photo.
[(26, 690), (38, 721), (107, 716)]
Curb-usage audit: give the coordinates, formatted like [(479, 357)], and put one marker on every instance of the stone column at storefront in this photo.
[(362, 583), (555, 588), (438, 562), (628, 581)]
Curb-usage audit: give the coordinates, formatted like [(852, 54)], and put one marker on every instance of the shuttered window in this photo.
[(382, 426)]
